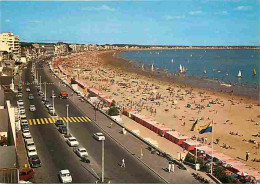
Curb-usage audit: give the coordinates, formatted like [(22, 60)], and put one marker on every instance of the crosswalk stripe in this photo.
[(81, 119), (84, 119), (73, 119), (77, 119), (50, 120), (69, 120), (42, 121), (61, 118), (34, 122), (65, 119), (30, 122), (87, 118), (54, 120), (38, 121), (46, 120)]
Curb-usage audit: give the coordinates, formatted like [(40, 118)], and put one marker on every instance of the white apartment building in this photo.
[(10, 43)]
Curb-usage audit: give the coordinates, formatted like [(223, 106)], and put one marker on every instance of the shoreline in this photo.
[(113, 59)]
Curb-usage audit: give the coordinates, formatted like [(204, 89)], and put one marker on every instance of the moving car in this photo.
[(32, 108), (99, 136), (81, 152), (28, 89), (47, 103), (26, 174), (72, 142), (35, 161), (30, 97), (65, 176), (40, 93), (51, 110), (63, 95), (43, 98), (63, 129)]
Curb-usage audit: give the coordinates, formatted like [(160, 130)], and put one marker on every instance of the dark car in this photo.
[(59, 123), (25, 127), (30, 97), (35, 161), (63, 129)]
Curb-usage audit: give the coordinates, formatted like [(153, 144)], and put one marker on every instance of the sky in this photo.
[(175, 22)]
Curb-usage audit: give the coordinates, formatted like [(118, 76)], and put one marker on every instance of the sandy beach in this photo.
[(236, 118)]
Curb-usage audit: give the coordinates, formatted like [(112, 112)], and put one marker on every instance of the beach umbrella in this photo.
[(241, 173)]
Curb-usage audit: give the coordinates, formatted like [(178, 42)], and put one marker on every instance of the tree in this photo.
[(113, 111)]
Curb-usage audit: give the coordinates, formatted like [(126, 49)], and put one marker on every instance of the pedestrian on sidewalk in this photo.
[(111, 124), (172, 166), (247, 155), (123, 163), (169, 167)]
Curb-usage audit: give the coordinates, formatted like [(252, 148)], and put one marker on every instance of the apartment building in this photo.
[(61, 48), (77, 47), (11, 44)]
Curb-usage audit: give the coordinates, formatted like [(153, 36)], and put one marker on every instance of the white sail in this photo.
[(142, 66), (183, 69), (180, 69), (239, 74), (152, 68), (205, 71), (172, 60)]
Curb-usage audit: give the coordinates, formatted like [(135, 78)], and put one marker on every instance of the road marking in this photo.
[(60, 118), (46, 120), (69, 120), (88, 119), (73, 119), (84, 119), (50, 120), (38, 121), (34, 122), (42, 121), (81, 119), (65, 119), (54, 120), (30, 121), (77, 119)]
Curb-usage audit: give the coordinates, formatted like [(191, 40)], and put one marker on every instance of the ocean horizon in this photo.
[(222, 65)]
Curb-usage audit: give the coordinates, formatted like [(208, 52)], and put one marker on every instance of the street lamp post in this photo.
[(40, 83), (45, 91), (67, 119), (53, 103), (103, 161)]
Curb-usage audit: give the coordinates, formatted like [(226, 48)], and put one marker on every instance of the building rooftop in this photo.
[(3, 121)]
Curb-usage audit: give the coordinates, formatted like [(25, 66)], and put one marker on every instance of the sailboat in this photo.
[(142, 66), (254, 72), (204, 71), (239, 75), (183, 69), (172, 60), (152, 68), (180, 69)]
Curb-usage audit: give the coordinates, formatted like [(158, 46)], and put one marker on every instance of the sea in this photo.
[(222, 65)]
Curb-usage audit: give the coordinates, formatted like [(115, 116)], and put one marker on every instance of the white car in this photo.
[(31, 151), (23, 116), (81, 152), (27, 134), (99, 136), (32, 108), (28, 89), (21, 110), (72, 142), (29, 143), (65, 176), (20, 102)]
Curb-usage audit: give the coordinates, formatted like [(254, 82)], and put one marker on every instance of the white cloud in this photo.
[(7, 20), (100, 8), (221, 13), (169, 17), (243, 8), (195, 12)]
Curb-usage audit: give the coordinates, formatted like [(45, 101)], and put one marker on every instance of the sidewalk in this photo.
[(157, 163), (21, 153)]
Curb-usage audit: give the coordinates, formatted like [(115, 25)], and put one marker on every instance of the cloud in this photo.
[(221, 13), (169, 17), (7, 20), (195, 12), (100, 8), (243, 8)]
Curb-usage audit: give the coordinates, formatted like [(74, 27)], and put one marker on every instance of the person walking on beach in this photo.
[(247, 155), (123, 163)]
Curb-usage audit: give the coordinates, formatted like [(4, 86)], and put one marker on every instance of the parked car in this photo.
[(20, 102), (40, 93), (30, 97), (21, 110), (59, 122), (47, 103), (51, 110), (63, 129), (28, 89), (25, 127), (81, 152), (32, 108), (99, 136), (31, 151), (27, 83), (29, 143), (26, 174), (35, 161), (72, 142), (20, 95), (27, 134), (65, 176), (24, 122), (43, 98)]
